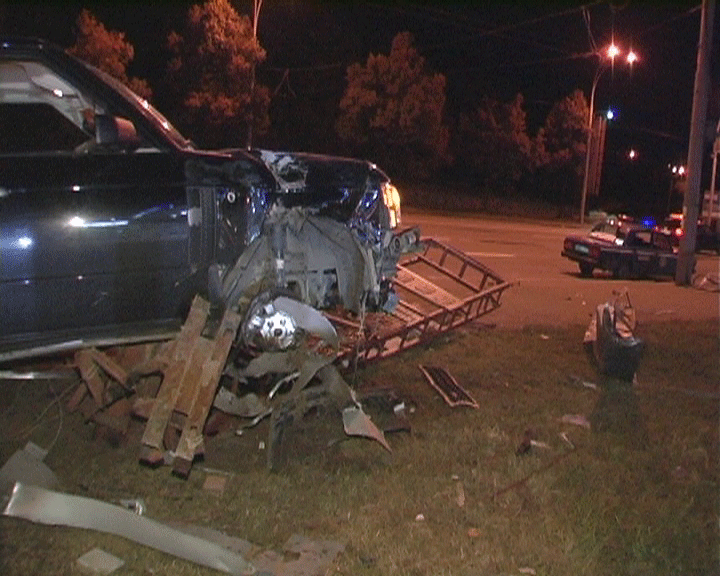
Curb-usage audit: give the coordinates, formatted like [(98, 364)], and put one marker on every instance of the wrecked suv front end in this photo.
[(323, 236), (327, 235)]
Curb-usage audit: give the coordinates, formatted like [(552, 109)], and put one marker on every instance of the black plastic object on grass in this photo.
[(611, 334)]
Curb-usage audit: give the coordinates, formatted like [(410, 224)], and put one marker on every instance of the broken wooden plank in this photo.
[(112, 368), (91, 376), (212, 369), (170, 388)]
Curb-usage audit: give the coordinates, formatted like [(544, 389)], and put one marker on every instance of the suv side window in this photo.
[(662, 241), (41, 112), (642, 239), (36, 127)]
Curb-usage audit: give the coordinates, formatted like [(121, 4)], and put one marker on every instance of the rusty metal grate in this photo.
[(439, 289)]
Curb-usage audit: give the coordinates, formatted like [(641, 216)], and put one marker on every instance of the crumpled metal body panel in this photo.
[(323, 261), (55, 508)]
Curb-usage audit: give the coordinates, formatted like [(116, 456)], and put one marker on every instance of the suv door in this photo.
[(93, 234)]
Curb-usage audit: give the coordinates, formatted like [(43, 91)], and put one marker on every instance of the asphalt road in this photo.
[(548, 289)]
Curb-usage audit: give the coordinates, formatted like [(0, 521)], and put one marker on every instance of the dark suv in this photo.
[(110, 220)]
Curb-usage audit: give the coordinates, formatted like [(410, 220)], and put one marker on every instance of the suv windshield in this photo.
[(143, 106)]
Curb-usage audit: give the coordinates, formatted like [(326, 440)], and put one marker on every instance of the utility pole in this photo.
[(691, 204)]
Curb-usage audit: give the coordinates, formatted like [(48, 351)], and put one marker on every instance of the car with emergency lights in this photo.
[(624, 249), (706, 239), (111, 221)]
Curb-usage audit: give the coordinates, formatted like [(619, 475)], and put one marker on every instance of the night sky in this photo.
[(543, 51)]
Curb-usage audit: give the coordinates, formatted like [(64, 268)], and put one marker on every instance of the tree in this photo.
[(560, 146), (492, 145), (392, 110), (211, 75), (106, 50)]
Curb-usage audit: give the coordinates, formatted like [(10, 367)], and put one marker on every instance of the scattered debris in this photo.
[(447, 387), (709, 282), (544, 337), (136, 505), (583, 383), (190, 381), (523, 480), (357, 423), (460, 494), (420, 517), (215, 484), (99, 562), (526, 444), (567, 440), (27, 466), (268, 354), (576, 420), (539, 444), (55, 508), (301, 557), (526, 570), (610, 334), (388, 410), (473, 532)]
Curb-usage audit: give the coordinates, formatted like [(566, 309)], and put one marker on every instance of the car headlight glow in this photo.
[(391, 198)]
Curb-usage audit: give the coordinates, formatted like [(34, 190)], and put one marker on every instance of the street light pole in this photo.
[(611, 52), (583, 200)]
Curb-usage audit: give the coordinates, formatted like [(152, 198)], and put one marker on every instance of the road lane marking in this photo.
[(490, 255)]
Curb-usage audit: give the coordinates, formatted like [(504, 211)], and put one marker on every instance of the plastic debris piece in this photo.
[(460, 499), (99, 562), (135, 505), (248, 406), (27, 466), (576, 419), (357, 423), (419, 517), (610, 333), (567, 440), (539, 444), (55, 508), (583, 383)]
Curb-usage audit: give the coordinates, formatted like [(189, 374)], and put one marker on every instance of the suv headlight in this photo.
[(391, 199)]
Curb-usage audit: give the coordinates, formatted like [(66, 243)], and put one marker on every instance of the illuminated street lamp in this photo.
[(608, 55)]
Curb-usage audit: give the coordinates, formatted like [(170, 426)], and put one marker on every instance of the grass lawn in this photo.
[(634, 492)]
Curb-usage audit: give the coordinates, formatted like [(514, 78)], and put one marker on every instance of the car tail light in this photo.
[(678, 232)]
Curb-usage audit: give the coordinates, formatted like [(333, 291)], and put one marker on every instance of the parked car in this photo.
[(706, 239), (626, 250), (111, 220)]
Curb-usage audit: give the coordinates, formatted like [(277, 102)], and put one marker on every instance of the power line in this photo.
[(498, 32)]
